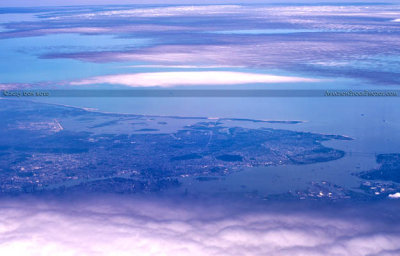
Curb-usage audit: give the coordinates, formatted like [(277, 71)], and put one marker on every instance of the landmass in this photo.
[(47, 147), (389, 169)]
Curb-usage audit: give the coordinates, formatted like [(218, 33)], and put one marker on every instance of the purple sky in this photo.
[(26, 3)]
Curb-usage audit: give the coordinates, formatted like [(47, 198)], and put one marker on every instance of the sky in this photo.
[(26, 3)]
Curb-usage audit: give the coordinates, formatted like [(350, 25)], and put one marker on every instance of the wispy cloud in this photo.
[(192, 10), (251, 36), (185, 66), (40, 31), (168, 79)]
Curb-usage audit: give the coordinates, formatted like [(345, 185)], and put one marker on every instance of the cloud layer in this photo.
[(304, 39), (155, 227), (168, 79)]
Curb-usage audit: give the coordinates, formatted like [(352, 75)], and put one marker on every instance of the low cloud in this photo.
[(154, 227), (395, 195), (192, 10), (93, 30), (185, 66), (168, 79)]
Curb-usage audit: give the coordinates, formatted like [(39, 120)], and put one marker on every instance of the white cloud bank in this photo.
[(168, 79), (137, 227), (395, 195)]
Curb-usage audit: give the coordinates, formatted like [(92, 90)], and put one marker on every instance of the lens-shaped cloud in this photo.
[(168, 79)]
